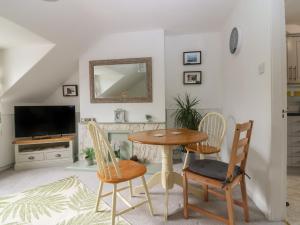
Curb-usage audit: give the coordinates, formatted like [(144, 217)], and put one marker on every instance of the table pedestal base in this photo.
[(167, 178)]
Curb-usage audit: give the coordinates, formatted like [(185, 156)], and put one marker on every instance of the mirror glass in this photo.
[(126, 80)]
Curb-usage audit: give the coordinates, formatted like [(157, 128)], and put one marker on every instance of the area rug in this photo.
[(64, 202)]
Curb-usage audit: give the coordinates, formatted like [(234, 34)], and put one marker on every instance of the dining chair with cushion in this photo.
[(214, 125), (114, 172), (223, 176)]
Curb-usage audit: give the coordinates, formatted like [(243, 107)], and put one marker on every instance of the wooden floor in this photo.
[(293, 211)]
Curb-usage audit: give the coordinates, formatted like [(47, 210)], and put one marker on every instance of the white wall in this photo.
[(19, 60), (126, 45), (247, 95), (7, 115), (293, 28), (6, 137), (1, 69), (57, 97), (21, 50), (209, 92)]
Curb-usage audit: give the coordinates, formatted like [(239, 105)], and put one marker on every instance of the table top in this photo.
[(168, 137)]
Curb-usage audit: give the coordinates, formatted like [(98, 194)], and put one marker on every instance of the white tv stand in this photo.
[(35, 153)]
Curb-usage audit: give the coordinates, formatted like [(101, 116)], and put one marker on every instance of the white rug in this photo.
[(64, 202)]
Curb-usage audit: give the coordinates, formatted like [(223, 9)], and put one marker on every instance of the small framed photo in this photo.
[(192, 77), (120, 116), (70, 90), (192, 58)]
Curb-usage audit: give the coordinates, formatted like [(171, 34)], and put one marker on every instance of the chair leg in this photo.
[(130, 188), (229, 200), (185, 160), (147, 195), (113, 208), (99, 196), (185, 197), (245, 199), (205, 192)]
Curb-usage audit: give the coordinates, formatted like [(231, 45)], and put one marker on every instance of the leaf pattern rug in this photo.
[(64, 202)]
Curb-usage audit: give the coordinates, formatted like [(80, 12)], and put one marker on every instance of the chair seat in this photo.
[(203, 149), (129, 170), (212, 168)]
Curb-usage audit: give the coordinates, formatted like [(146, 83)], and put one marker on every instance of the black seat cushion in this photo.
[(212, 169)]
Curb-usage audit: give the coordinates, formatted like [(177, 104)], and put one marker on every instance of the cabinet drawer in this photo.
[(293, 126), (293, 141), (296, 152), (30, 157), (296, 131), (293, 119), (58, 155), (290, 161), (296, 161), (293, 131)]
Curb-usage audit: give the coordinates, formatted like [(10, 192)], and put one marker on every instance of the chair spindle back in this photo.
[(214, 125), (104, 153)]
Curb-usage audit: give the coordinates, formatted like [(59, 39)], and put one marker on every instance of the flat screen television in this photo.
[(34, 121)]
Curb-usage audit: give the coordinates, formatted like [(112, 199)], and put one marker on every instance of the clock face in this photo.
[(234, 40)]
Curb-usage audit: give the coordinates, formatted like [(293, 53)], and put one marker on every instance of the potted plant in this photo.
[(89, 156), (148, 118), (187, 116)]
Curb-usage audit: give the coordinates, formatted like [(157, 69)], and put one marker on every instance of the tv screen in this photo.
[(32, 121)]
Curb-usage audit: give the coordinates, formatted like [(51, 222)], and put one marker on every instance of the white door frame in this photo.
[(278, 154)]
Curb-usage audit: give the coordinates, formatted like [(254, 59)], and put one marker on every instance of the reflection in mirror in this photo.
[(120, 81), (125, 80)]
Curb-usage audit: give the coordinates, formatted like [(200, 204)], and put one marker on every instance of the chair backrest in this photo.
[(240, 147), (104, 154), (214, 125)]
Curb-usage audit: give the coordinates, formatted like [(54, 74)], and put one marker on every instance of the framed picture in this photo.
[(192, 58), (120, 116), (70, 90), (192, 77)]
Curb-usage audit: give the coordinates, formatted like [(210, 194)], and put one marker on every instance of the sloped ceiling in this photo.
[(74, 25), (21, 50)]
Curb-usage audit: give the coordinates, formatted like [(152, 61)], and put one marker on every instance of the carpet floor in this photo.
[(17, 181)]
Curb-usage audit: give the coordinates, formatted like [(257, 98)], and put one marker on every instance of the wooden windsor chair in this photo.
[(113, 171), (214, 125), (223, 176)]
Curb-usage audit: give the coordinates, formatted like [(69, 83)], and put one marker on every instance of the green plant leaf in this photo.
[(186, 115)]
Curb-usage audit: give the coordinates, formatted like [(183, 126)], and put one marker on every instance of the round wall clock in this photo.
[(234, 41)]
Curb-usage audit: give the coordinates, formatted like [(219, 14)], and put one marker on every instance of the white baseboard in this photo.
[(2, 168), (42, 164)]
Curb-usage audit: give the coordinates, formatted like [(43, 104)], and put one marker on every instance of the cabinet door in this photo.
[(292, 59), (296, 68)]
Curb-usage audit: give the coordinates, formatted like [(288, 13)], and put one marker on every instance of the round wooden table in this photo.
[(167, 137)]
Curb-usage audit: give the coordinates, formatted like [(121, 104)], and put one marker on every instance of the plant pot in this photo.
[(191, 157), (89, 162)]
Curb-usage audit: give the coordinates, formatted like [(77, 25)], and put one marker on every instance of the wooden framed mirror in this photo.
[(121, 80)]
